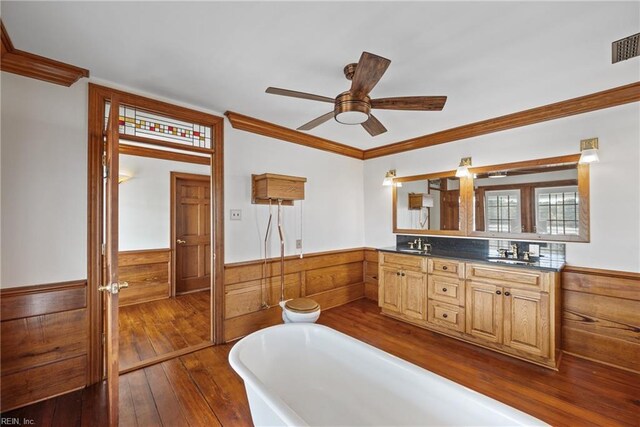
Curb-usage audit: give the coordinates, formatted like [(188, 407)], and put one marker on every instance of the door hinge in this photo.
[(103, 248), (104, 166)]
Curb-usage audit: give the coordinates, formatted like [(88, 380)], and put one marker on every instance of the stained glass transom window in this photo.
[(135, 122)]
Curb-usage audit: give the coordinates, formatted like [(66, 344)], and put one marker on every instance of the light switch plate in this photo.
[(534, 250), (236, 214)]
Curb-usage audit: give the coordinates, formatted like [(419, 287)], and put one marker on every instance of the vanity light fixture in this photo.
[(498, 175), (463, 169), (389, 177), (589, 150)]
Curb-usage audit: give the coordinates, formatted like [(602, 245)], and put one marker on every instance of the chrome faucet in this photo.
[(419, 243), (514, 251)]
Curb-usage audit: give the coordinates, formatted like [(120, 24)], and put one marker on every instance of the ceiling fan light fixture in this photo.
[(351, 111)]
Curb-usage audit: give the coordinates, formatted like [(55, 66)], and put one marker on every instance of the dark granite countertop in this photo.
[(539, 263)]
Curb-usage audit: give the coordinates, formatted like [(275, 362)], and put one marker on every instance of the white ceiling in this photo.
[(489, 58)]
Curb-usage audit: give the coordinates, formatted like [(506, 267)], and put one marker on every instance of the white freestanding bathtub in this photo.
[(303, 374)]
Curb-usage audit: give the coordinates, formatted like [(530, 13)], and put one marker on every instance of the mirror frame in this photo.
[(583, 194), (466, 190)]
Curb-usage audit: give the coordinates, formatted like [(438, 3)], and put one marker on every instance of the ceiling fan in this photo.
[(353, 107)]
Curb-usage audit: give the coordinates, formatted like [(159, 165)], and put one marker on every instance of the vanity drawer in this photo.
[(505, 276), (446, 315), (412, 262), (446, 267), (446, 289)]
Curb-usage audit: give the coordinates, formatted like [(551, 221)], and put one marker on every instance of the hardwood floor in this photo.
[(201, 389), (159, 327)]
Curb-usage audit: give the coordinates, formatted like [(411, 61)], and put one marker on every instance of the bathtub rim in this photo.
[(285, 412), (282, 410)]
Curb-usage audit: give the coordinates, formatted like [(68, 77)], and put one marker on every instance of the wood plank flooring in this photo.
[(200, 389), (159, 327)]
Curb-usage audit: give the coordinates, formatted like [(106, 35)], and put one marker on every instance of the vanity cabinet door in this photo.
[(484, 311), (390, 289), (414, 294), (526, 321)]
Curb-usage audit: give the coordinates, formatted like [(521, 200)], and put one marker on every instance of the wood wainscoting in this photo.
[(371, 273), (148, 273), (331, 278), (44, 342), (601, 316)]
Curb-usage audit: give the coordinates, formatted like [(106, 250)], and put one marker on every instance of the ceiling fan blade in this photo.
[(317, 121), (368, 72), (295, 94), (416, 103), (373, 126)]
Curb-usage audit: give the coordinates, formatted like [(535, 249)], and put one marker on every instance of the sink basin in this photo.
[(510, 261)]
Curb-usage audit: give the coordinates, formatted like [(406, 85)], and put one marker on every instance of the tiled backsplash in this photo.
[(488, 247)]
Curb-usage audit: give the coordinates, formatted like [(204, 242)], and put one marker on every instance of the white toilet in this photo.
[(300, 310)]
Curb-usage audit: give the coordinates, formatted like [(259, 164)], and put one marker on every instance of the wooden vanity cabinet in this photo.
[(402, 285), (511, 310), (511, 306), (446, 294)]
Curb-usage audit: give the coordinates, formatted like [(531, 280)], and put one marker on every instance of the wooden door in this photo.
[(526, 321), (414, 294), (110, 284), (192, 230), (484, 311), (450, 210), (390, 289)]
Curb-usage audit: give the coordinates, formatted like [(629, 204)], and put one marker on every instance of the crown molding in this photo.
[(584, 104), (37, 67), (261, 127)]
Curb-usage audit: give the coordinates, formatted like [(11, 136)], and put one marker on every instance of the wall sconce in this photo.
[(389, 177), (589, 150), (123, 178), (463, 169)]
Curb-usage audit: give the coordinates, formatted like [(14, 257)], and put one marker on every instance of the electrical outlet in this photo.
[(236, 214), (299, 244), (534, 250)]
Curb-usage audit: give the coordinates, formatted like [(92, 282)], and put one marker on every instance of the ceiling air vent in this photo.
[(625, 48)]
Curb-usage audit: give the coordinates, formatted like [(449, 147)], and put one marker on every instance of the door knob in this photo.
[(180, 241), (113, 288)]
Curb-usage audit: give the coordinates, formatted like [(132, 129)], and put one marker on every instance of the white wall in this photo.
[(145, 201), (44, 185), (615, 207), (44, 180), (332, 212)]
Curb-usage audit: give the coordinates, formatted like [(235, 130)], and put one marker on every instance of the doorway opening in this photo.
[(164, 255), (155, 129)]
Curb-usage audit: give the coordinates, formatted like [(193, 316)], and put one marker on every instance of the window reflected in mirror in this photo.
[(542, 200), (428, 204)]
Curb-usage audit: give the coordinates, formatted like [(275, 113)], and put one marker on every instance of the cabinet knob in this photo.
[(498, 293), (506, 294), (444, 267), (397, 273), (402, 274), (445, 315), (444, 289)]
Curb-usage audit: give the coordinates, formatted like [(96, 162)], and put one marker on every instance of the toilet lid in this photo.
[(302, 305)]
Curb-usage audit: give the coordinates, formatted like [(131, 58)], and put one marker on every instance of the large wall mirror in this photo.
[(545, 199), (430, 204)]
